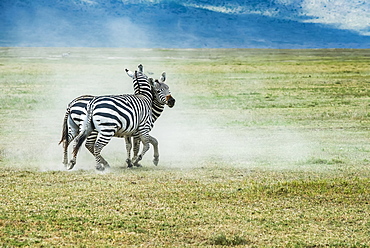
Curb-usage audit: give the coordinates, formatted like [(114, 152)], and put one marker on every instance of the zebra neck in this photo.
[(147, 95), (142, 88), (157, 109), (136, 89)]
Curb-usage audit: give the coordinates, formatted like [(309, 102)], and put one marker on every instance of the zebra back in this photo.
[(77, 107), (126, 113)]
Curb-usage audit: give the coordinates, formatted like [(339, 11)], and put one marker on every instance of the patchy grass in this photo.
[(160, 207), (291, 168)]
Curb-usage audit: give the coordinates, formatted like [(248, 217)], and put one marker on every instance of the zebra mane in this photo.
[(142, 85)]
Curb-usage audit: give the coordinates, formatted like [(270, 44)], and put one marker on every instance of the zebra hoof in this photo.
[(129, 163), (70, 165), (104, 163), (100, 167), (155, 161)]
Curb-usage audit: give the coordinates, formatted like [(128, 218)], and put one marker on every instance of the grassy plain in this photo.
[(264, 148)]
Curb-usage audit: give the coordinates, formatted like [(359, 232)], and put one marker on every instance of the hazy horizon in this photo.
[(276, 24)]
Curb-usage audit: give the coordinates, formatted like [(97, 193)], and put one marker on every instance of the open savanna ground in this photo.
[(264, 148)]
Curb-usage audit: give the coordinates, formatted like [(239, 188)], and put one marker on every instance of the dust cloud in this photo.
[(184, 143), (188, 137), (194, 140)]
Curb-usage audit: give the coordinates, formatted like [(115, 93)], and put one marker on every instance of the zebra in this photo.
[(158, 88), (122, 116), (76, 111)]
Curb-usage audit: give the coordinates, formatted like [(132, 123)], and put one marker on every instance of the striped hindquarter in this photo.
[(75, 113)]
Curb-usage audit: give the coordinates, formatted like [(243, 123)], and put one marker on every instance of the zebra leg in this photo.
[(145, 140), (90, 142), (71, 134), (128, 150), (89, 145), (65, 152), (101, 142), (154, 143), (136, 150), (72, 162)]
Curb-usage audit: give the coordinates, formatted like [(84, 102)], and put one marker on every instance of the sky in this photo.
[(186, 24)]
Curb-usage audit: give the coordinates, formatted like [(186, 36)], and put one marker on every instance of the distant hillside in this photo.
[(172, 24)]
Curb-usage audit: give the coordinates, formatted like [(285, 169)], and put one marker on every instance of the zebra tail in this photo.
[(79, 141), (65, 129), (85, 131)]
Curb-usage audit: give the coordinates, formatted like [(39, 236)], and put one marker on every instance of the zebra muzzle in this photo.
[(170, 101)]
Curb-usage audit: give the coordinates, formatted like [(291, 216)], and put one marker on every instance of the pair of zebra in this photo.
[(97, 119)]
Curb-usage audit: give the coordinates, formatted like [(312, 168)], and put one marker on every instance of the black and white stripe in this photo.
[(120, 116), (76, 112), (73, 118), (159, 89)]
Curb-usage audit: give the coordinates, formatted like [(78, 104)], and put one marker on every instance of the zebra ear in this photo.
[(163, 77), (156, 84), (141, 68), (153, 83), (129, 73)]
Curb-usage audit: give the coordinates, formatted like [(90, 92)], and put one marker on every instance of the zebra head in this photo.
[(161, 91)]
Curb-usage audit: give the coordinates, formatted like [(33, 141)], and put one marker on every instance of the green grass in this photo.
[(156, 207), (292, 170)]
